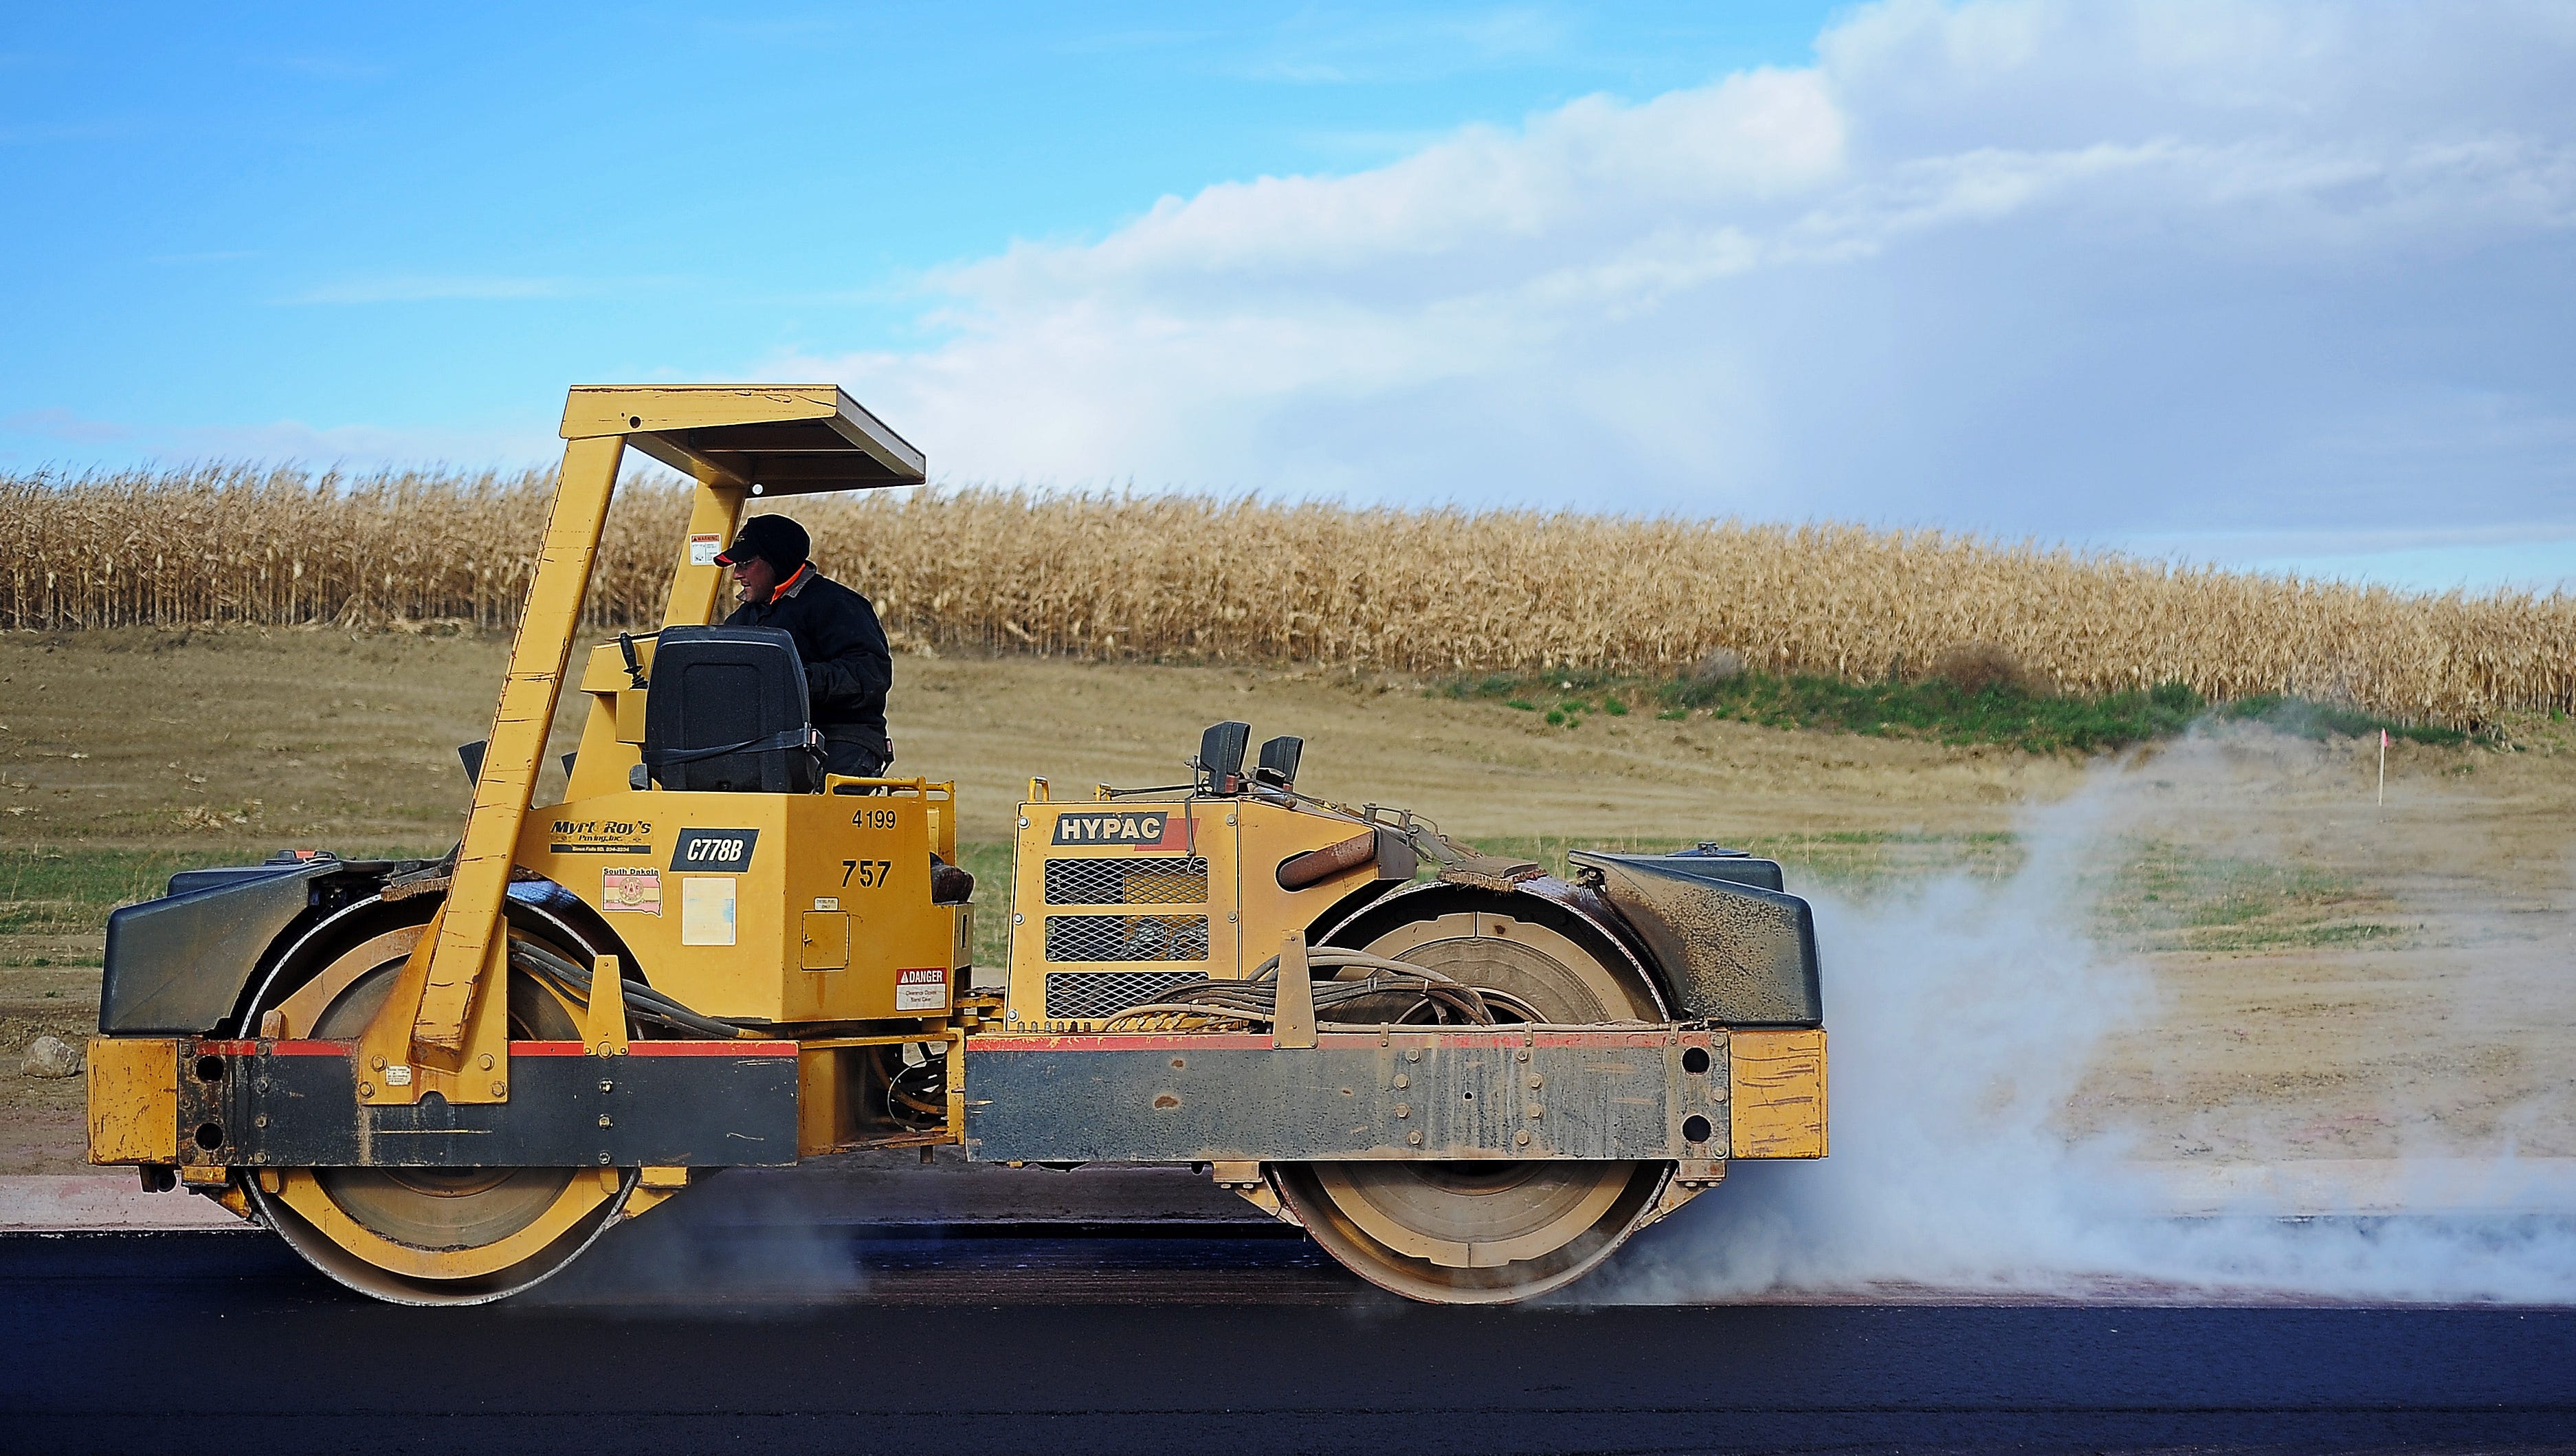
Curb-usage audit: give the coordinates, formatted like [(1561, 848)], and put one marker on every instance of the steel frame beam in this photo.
[(1404, 1093)]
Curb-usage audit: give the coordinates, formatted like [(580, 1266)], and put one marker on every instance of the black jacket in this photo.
[(847, 666)]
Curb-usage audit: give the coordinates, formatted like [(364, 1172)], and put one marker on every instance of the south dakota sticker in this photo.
[(636, 892)]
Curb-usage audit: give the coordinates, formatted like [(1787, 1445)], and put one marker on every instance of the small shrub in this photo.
[(1718, 665), (1979, 667)]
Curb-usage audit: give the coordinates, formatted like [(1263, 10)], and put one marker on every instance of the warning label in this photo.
[(703, 550), (923, 988)]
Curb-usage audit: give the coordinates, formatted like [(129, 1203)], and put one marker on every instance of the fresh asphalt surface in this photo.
[(1070, 1339)]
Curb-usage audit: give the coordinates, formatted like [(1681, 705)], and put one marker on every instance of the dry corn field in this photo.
[(1194, 578)]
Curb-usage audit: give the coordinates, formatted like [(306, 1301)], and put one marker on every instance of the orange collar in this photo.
[(788, 587)]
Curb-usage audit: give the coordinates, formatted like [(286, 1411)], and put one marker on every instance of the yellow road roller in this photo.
[(440, 1081)]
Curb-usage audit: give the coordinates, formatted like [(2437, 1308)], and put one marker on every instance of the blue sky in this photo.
[(2283, 285)]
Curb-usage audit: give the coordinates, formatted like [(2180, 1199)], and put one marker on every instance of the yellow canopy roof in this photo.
[(784, 439)]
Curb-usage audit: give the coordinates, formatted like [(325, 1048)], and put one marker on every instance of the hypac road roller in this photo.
[(440, 1081)]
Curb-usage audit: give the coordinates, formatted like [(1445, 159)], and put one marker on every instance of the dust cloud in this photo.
[(1966, 1013)]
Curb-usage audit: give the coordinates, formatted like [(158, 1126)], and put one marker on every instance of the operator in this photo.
[(847, 666)]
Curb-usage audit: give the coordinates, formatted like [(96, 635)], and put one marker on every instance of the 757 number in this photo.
[(868, 873)]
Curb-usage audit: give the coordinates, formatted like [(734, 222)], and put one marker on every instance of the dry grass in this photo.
[(281, 547), (1183, 577)]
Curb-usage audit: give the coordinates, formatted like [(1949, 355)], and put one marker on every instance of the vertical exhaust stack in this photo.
[(1278, 766), (1220, 760)]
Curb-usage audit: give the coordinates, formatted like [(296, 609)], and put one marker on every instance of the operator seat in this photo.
[(728, 712)]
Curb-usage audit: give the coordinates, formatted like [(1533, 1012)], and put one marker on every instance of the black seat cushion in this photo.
[(727, 711)]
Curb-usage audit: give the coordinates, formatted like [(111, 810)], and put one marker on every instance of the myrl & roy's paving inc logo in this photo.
[(1150, 829)]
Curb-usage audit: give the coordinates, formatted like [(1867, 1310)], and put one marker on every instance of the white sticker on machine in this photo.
[(924, 988), (703, 550), (706, 910)]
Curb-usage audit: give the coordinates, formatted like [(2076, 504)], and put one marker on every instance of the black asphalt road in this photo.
[(1074, 1340)]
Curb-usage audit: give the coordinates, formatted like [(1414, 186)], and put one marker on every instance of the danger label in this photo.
[(923, 988), (703, 550), (1151, 829)]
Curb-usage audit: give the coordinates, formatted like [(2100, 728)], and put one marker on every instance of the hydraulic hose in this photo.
[(645, 1003)]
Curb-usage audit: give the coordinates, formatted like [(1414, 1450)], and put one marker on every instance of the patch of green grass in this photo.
[(990, 864), (2309, 719), (50, 891), (1850, 860), (2161, 896), (1939, 710), (2295, 937), (2144, 895), (69, 890), (1931, 708)]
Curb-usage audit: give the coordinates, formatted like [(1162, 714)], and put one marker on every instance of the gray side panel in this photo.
[(1172, 1103), (1735, 955), (179, 964), (303, 1111)]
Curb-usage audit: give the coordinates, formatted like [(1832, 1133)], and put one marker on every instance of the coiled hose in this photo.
[(1210, 1005), (642, 1001)]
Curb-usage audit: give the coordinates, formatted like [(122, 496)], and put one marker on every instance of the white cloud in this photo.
[(55, 423), (2092, 269)]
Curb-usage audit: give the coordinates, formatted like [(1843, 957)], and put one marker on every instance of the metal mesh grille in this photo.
[(1081, 995), (1158, 881), (1126, 937)]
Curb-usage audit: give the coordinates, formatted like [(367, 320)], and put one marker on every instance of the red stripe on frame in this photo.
[(306, 1048), (517, 1048), (1246, 1041), (1230, 1041), (660, 1049)]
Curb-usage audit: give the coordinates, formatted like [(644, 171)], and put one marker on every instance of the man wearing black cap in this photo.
[(847, 666)]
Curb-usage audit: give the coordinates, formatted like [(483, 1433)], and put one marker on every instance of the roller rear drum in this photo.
[(1486, 1230)]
